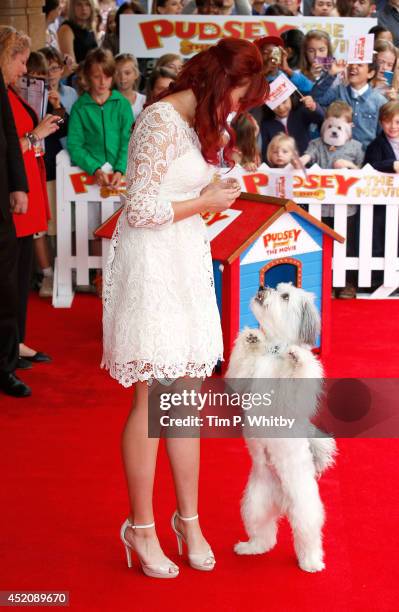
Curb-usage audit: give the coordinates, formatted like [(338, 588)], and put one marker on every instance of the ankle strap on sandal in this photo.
[(189, 518), (141, 526)]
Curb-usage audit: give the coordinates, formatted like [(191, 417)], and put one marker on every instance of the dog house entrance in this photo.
[(286, 270)]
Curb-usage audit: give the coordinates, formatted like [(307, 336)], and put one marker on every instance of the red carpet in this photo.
[(63, 493)]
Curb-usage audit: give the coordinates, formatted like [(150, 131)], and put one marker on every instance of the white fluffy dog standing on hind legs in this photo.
[(283, 477)]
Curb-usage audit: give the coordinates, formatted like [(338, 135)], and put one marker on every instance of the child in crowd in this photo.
[(381, 33), (127, 77), (317, 54), (383, 154), (364, 100), (37, 67), (60, 101), (48, 64), (158, 81), (79, 81), (172, 61), (276, 62), (386, 78), (167, 7), (294, 117), (246, 152), (336, 149), (324, 8), (293, 40), (100, 122), (99, 131), (281, 151)]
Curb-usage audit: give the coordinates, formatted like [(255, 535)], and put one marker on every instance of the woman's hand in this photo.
[(309, 103), (101, 178), (115, 180), (47, 126), (220, 195), (19, 202)]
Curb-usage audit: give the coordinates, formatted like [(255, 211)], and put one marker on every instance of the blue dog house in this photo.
[(267, 241)]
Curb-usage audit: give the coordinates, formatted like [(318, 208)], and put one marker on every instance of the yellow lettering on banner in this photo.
[(380, 179), (335, 30), (377, 192)]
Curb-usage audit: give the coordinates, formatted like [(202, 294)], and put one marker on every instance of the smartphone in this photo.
[(276, 55), (324, 61), (388, 76)]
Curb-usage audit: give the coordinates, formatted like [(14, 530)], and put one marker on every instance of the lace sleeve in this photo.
[(153, 146)]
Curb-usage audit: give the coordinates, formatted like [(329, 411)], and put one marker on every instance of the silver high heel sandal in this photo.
[(200, 561), (155, 571)]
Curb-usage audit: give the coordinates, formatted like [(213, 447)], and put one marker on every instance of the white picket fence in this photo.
[(71, 206), (72, 217), (366, 263)]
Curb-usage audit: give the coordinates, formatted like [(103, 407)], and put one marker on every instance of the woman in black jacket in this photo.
[(13, 189)]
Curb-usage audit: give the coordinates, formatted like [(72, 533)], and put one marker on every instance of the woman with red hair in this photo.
[(161, 320)]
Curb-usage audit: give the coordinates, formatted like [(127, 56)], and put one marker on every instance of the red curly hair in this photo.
[(212, 75)]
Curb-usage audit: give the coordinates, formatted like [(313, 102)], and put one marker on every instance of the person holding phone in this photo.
[(14, 53), (386, 78)]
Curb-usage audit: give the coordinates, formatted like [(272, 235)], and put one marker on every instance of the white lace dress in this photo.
[(160, 315)]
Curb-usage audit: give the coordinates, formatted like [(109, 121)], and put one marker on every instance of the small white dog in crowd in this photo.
[(284, 470)]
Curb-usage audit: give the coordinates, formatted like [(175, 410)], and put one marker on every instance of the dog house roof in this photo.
[(257, 214)]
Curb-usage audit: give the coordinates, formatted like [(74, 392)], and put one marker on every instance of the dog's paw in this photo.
[(253, 337), (252, 547), (296, 355), (312, 563)]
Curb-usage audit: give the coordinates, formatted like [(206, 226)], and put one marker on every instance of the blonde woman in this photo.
[(14, 53), (76, 36)]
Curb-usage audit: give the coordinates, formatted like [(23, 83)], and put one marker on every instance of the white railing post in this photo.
[(67, 201), (62, 288)]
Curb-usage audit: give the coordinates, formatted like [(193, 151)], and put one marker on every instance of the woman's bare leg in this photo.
[(139, 457), (184, 457)]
